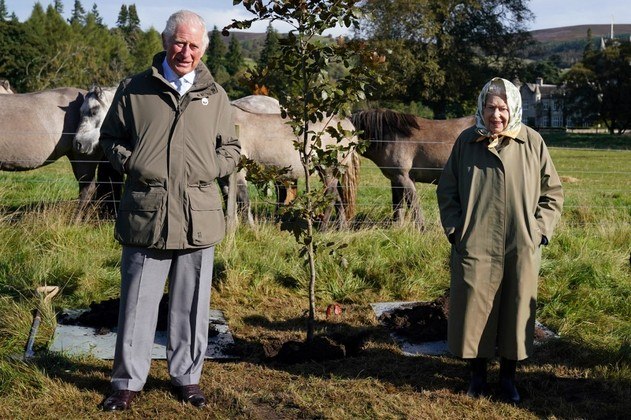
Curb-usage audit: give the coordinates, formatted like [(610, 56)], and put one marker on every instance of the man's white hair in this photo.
[(184, 17)]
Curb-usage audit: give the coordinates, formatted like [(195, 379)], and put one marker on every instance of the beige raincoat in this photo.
[(498, 205)]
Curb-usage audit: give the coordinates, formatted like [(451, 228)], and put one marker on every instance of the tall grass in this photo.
[(260, 284)]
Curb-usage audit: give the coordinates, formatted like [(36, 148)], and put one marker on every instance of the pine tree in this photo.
[(216, 53), (96, 15), (271, 48), (269, 76), (234, 57), (3, 11), (59, 6), (78, 15), (133, 22), (123, 16)]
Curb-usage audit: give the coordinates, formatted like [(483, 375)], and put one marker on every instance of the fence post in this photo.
[(231, 205)]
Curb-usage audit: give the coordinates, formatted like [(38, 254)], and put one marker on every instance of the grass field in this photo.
[(584, 295)]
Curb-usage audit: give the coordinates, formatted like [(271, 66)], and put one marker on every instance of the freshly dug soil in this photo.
[(103, 316), (323, 347), (419, 322), (422, 322)]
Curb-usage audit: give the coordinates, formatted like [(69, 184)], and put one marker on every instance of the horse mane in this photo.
[(382, 124)]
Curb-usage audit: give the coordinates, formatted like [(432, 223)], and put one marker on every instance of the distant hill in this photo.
[(566, 43), (578, 32)]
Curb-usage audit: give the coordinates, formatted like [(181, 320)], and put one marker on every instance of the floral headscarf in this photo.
[(513, 100)]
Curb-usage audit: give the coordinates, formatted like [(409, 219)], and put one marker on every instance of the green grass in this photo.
[(260, 285), (48, 184), (586, 140)]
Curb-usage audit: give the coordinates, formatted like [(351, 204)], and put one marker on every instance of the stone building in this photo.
[(543, 105)]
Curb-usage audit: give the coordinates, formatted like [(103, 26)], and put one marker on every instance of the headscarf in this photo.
[(513, 100)]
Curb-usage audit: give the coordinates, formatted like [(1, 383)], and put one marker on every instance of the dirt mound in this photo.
[(103, 316), (419, 322)]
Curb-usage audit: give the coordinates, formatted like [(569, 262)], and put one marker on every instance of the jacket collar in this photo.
[(521, 137), (204, 83)]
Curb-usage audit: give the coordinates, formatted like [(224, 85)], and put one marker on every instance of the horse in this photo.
[(109, 183), (264, 136), (408, 149), (267, 139), (5, 87), (38, 128)]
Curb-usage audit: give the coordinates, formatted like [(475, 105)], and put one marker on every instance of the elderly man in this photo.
[(170, 131)]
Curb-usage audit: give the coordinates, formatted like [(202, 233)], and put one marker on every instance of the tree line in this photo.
[(436, 56)]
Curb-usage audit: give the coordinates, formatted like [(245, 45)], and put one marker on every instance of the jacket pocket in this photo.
[(206, 222), (140, 218)]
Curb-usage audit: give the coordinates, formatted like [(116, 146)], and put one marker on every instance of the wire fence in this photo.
[(599, 190)]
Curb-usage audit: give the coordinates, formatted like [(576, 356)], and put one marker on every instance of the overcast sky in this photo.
[(548, 13)]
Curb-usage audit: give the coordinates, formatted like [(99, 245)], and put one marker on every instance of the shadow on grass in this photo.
[(86, 374), (562, 379)]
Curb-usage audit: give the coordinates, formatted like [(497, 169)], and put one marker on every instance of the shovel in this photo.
[(48, 292)]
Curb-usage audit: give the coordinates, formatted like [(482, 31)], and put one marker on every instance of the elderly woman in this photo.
[(500, 198)]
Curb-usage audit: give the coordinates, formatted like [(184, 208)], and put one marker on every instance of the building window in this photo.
[(557, 120), (545, 121)]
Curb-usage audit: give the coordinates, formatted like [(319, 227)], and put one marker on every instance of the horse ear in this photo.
[(96, 89)]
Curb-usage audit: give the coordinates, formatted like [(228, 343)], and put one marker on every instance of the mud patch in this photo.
[(421, 327), (92, 331)]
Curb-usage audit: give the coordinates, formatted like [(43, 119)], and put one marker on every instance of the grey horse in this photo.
[(264, 135), (38, 128), (5, 87)]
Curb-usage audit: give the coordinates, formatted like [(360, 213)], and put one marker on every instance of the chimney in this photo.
[(539, 81)]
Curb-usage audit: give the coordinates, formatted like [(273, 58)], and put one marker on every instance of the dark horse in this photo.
[(408, 149)]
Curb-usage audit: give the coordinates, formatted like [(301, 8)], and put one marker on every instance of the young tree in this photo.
[(148, 44), (312, 95)]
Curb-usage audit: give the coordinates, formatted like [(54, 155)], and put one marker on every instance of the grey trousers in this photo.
[(143, 276)]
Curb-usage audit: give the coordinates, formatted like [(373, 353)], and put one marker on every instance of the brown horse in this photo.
[(408, 149)]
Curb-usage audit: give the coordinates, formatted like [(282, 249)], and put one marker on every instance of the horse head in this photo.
[(5, 87), (93, 110)]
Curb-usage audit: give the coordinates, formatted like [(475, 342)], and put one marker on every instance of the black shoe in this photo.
[(508, 391), (119, 400), (191, 394), (478, 386)]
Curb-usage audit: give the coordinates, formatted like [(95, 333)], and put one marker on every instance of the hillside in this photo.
[(564, 44), (578, 32)]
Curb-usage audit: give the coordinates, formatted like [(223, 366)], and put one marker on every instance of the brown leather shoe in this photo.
[(119, 400), (191, 394)]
